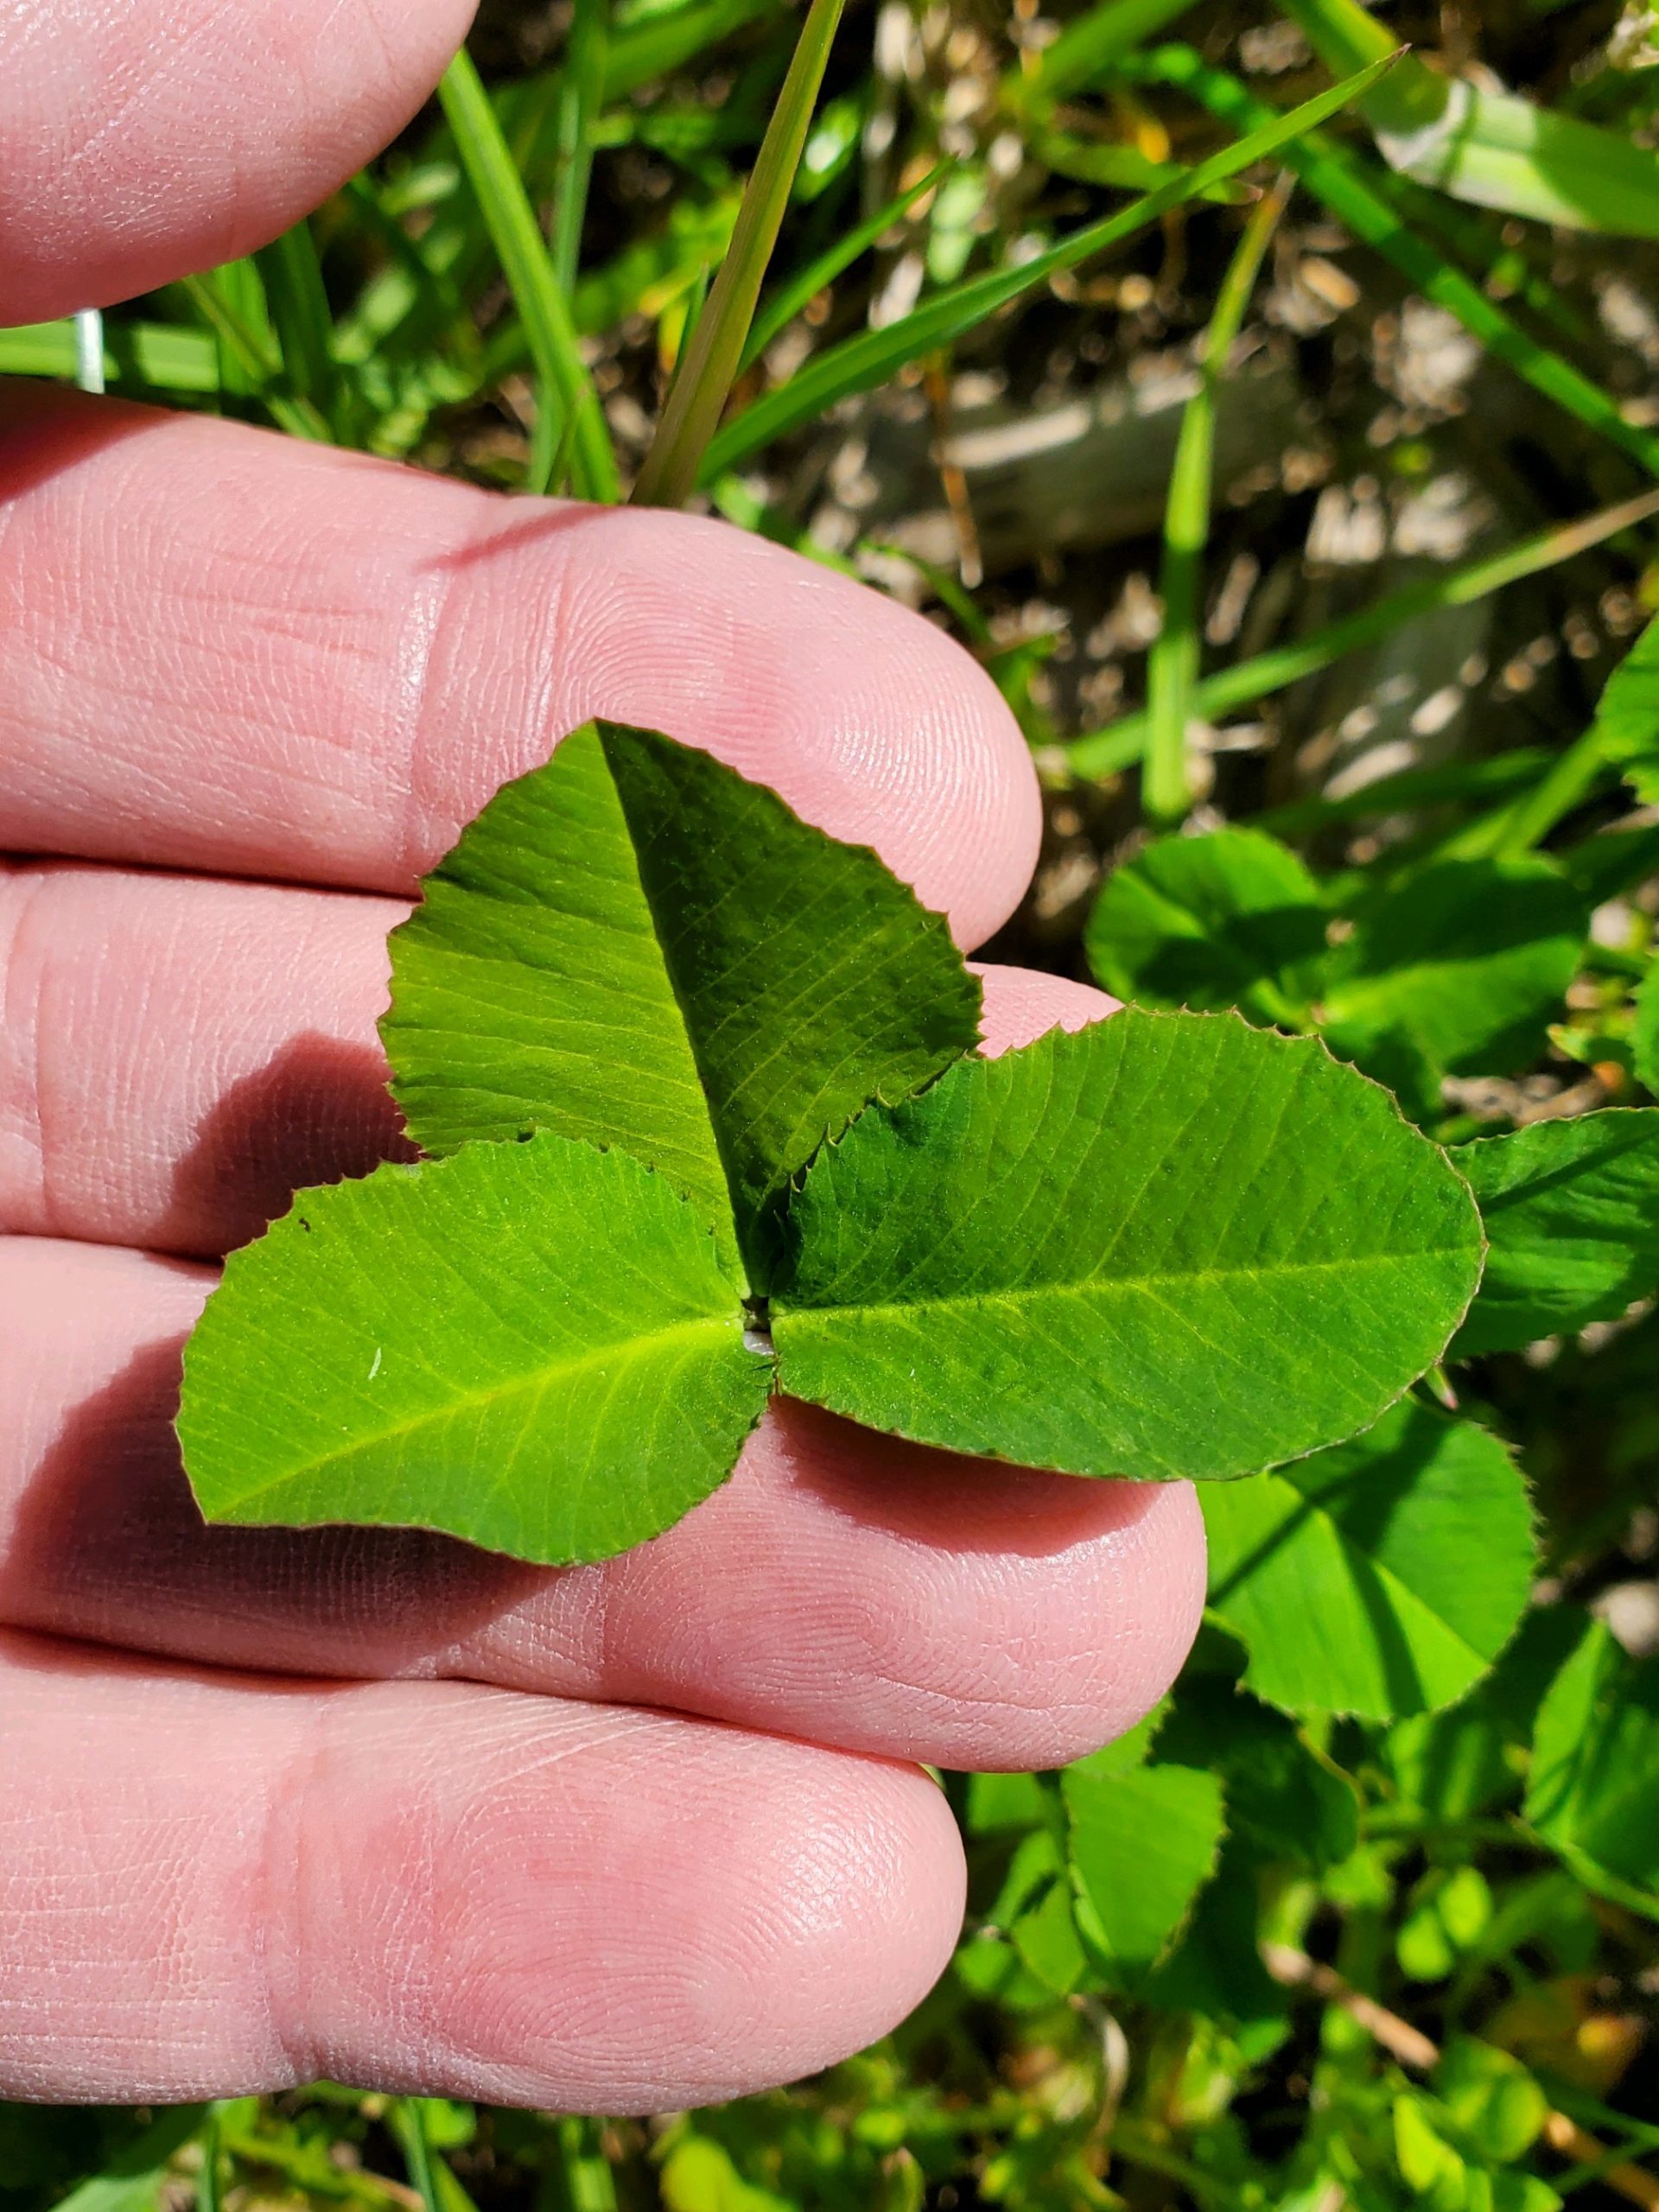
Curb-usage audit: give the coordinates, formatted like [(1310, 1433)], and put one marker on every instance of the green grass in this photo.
[(964, 238)]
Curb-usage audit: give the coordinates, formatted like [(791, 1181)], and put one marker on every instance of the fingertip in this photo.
[(147, 138), (1022, 1004), (867, 719), (634, 1914)]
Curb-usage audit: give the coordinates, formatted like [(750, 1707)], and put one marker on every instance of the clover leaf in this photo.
[(697, 1089)]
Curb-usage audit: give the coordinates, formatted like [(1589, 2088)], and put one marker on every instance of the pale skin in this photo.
[(366, 1805)]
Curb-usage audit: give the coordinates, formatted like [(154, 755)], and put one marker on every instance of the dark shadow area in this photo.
[(539, 523), (945, 1499), (317, 1112), (46, 427), (108, 1546)]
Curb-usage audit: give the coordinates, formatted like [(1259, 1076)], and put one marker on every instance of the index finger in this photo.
[(228, 651), (143, 138)]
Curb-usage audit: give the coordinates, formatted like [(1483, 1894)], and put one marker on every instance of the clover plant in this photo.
[(704, 1119)]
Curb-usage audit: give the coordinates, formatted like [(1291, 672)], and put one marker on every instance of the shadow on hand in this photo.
[(108, 1544), (318, 1111)]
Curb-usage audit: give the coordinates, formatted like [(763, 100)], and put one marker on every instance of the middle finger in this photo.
[(842, 1586)]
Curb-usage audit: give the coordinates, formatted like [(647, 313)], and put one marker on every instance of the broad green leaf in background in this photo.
[(1034, 1911), (134, 2178), (1594, 1790), (1380, 1577), (698, 2175), (1490, 148), (1284, 1799), (1463, 962), (1626, 728), (1468, 1756), (1645, 1038), (1166, 1245), (1494, 2102), (1571, 1211), (1134, 1892), (1230, 919), (533, 1346), (634, 945)]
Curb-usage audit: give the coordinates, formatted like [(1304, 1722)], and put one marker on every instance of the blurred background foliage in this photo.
[(1301, 509)]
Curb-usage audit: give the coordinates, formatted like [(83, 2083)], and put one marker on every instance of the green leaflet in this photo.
[(1462, 965), (1233, 919), (1131, 1899), (530, 1345), (1645, 1038), (1594, 1789), (1627, 718), (1284, 1799), (1166, 1245), (1379, 1578), (1496, 2103), (1572, 1212), (634, 945)]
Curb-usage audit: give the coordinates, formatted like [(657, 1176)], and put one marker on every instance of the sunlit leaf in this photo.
[(1463, 964), (1230, 919), (1132, 1900), (1645, 1038), (1594, 1791), (1627, 719), (635, 946), (1380, 1577), (530, 1345), (1486, 146), (1571, 1211), (1166, 1245)]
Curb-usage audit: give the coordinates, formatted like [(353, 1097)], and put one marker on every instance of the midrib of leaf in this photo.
[(631, 1348), (661, 910), (1150, 1283)]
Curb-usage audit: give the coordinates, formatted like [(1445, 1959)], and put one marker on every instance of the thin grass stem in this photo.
[(709, 362), (1105, 752), (564, 385), (1166, 783)]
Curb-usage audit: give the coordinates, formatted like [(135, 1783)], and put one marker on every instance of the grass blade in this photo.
[(1339, 180), (162, 356), (1491, 149), (298, 306), (1166, 786), (89, 350), (566, 388), (1107, 751), (410, 2125), (250, 352), (581, 93), (861, 363), (1095, 41), (793, 295), (209, 2197), (1499, 777), (709, 364)]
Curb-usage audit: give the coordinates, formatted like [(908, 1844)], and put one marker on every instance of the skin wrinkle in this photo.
[(821, 1591), (145, 138), (295, 717), (21, 1032)]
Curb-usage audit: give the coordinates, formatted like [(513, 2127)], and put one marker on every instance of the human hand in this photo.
[(628, 1837)]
